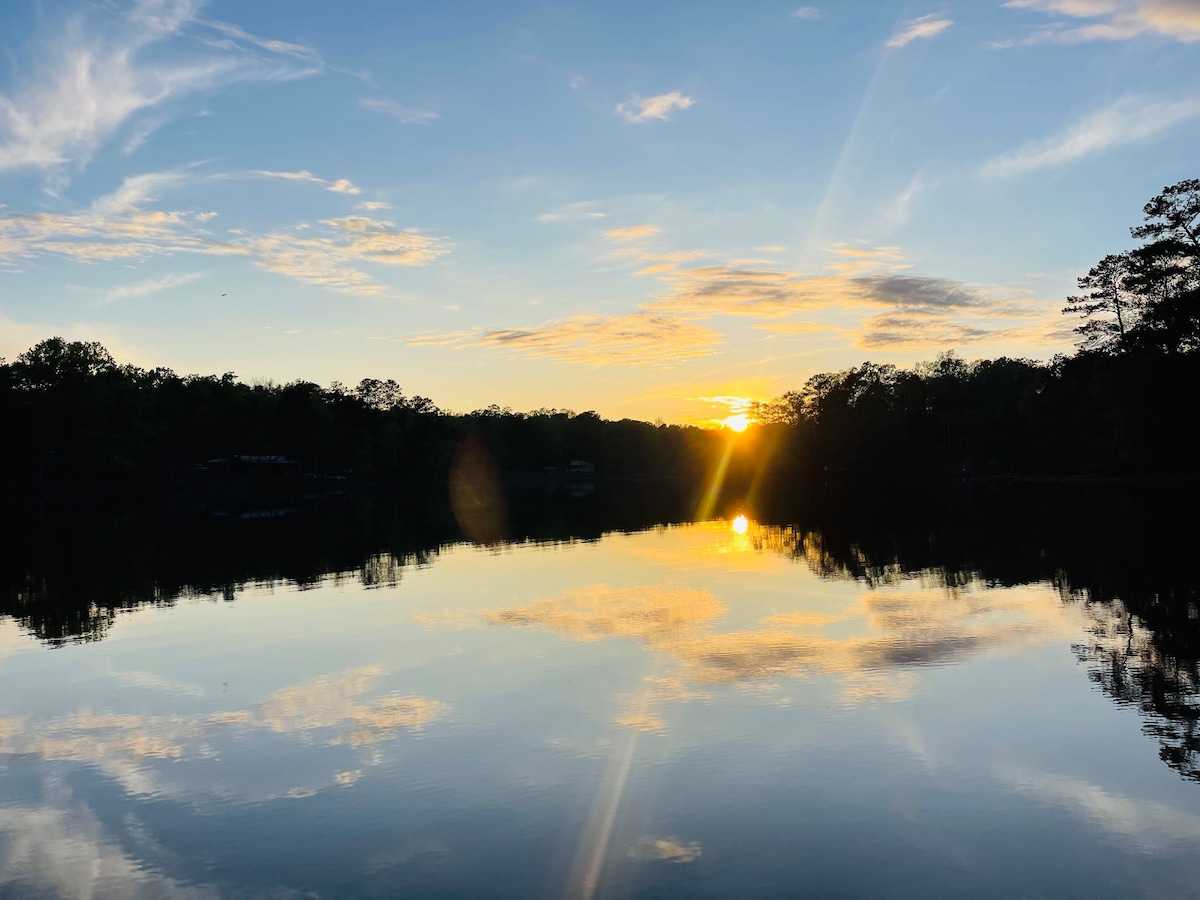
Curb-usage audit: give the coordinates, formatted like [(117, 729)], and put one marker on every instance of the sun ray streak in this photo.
[(597, 833), (709, 503), (850, 147)]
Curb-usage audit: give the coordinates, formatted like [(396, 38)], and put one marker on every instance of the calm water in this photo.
[(963, 696)]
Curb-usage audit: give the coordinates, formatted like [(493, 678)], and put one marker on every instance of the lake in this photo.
[(967, 692)]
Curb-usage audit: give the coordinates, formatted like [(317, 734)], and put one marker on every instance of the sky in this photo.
[(654, 210)]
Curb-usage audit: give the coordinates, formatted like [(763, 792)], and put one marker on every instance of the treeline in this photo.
[(1092, 414), (76, 418), (1128, 402)]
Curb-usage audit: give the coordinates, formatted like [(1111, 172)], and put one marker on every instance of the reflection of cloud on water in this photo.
[(647, 722), (1153, 826), (653, 614), (331, 702), (668, 849), (14, 640), (801, 618), (333, 710), (448, 619), (61, 850), (892, 632), (150, 681)]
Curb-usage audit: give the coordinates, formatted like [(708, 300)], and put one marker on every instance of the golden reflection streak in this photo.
[(709, 503)]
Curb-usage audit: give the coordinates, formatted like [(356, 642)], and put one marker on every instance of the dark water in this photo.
[(973, 692)]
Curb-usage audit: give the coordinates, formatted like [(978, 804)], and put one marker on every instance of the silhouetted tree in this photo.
[(1111, 305)]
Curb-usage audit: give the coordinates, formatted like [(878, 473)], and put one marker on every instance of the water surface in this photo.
[(956, 700)]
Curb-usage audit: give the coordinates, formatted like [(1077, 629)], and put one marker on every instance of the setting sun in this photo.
[(740, 524), (738, 422)]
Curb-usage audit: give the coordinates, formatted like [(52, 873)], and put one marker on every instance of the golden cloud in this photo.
[(632, 232), (334, 262), (638, 338)]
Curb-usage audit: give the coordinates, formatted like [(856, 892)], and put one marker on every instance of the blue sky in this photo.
[(635, 208)]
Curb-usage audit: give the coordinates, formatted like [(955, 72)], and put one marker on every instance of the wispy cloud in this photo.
[(373, 205), (895, 310), (582, 209), (93, 77), (1130, 120), (640, 338), (148, 286), (335, 260), (898, 210), (121, 226), (1111, 20), (303, 175), (772, 293), (643, 109), (235, 33), (806, 12), (404, 114), (115, 226), (853, 259), (338, 186), (917, 29), (632, 232)]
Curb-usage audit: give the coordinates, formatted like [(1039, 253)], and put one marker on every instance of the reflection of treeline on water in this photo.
[(1128, 556), (1120, 553), (68, 570)]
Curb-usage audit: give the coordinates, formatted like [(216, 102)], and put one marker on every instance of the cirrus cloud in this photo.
[(1111, 20), (121, 226), (1129, 120), (918, 29), (405, 115), (97, 73), (639, 338), (338, 185), (148, 286)]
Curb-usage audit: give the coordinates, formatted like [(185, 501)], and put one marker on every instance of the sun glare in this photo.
[(737, 422), (740, 525)]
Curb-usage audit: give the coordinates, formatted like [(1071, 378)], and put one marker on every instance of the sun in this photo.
[(737, 422), (740, 524)]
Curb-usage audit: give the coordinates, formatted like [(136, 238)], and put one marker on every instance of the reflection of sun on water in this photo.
[(740, 525)]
